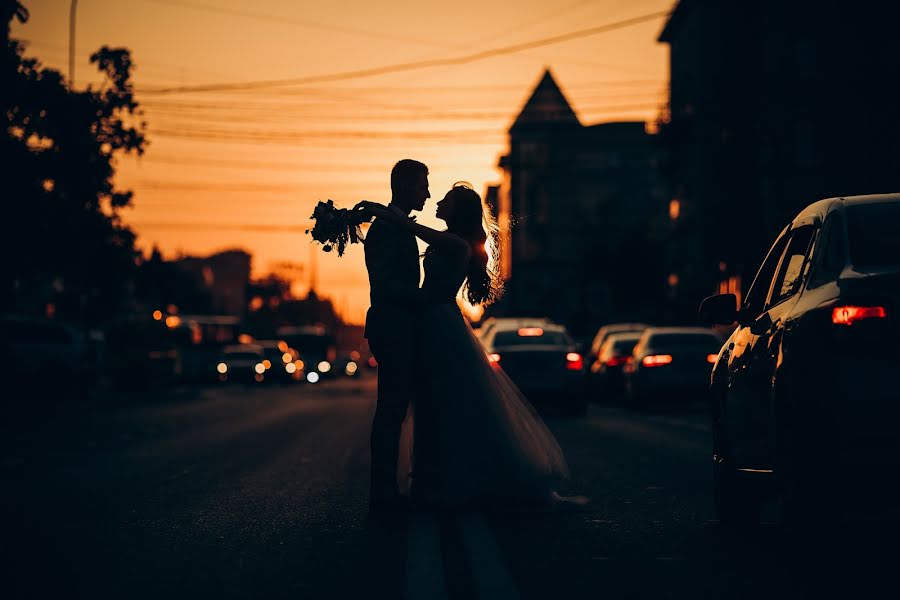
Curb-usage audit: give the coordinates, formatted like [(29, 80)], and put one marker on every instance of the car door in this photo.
[(756, 347), (739, 347)]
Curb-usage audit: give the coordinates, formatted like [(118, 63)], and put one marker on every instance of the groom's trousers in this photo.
[(392, 347)]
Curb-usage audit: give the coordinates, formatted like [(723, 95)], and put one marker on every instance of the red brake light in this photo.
[(574, 362), (494, 357), (616, 361), (848, 315), (531, 331), (656, 360)]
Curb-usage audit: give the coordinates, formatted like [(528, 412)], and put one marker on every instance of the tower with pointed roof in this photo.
[(561, 206), (546, 107)]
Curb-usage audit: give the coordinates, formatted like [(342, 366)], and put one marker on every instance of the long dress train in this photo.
[(475, 439)]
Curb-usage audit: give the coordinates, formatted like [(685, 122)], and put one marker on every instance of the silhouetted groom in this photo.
[(392, 260)]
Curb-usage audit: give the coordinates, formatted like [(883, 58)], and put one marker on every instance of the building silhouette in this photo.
[(225, 275), (576, 209), (772, 105)]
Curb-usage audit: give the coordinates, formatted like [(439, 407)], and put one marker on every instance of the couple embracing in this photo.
[(450, 430)]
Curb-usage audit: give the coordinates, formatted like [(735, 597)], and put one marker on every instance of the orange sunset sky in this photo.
[(243, 168)]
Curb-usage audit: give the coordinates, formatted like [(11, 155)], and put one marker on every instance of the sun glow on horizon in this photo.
[(244, 168)]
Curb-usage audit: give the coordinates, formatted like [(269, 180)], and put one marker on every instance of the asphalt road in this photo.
[(255, 492)]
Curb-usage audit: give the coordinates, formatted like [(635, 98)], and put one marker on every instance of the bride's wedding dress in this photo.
[(473, 439)]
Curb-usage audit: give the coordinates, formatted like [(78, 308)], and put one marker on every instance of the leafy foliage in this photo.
[(65, 240)]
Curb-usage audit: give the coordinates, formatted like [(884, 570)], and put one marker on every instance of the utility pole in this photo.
[(72, 45)]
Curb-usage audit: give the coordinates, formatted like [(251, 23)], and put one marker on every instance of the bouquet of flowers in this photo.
[(336, 226)]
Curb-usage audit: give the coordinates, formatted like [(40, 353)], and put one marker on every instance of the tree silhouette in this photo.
[(65, 242)]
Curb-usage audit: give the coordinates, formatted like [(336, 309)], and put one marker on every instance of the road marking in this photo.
[(424, 562), (489, 572)]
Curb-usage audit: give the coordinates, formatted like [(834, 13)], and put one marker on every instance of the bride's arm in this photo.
[(432, 237)]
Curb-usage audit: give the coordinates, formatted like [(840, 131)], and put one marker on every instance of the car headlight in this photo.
[(260, 368), (324, 366), (222, 368)]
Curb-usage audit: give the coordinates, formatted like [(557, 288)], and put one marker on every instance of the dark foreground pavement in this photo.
[(261, 492)]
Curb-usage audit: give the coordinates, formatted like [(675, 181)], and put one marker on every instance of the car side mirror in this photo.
[(720, 309)]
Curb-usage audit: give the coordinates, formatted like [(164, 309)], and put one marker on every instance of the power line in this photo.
[(304, 23), (409, 66), (259, 228), (193, 161), (479, 135)]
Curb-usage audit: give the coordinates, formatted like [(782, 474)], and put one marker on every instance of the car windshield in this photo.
[(684, 339), (872, 234), (545, 338)]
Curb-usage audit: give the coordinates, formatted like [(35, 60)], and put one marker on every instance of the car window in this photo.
[(624, 345), (684, 339), (755, 301), (830, 255), (547, 338), (872, 235), (791, 270)]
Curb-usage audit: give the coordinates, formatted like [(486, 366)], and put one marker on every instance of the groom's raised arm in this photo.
[(393, 266)]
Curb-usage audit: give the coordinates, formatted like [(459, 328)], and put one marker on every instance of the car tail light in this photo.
[(616, 361), (531, 332), (848, 315), (656, 360), (711, 358), (574, 362), (494, 360)]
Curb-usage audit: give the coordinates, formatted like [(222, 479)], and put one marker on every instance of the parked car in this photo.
[(141, 352), (242, 362), (43, 355), (607, 330), (488, 324), (805, 400), (541, 359), (316, 349), (606, 373), (280, 361), (670, 365)]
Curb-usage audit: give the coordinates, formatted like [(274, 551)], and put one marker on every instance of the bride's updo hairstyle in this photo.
[(468, 219)]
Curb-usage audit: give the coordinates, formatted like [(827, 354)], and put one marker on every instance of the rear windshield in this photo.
[(872, 233), (548, 338), (684, 339), (625, 345)]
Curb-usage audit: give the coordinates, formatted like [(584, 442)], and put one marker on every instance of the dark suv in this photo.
[(805, 396)]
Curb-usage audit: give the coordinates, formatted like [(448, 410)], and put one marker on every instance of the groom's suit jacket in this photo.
[(392, 260)]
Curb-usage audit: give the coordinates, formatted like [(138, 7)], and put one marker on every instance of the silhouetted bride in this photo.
[(477, 440)]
